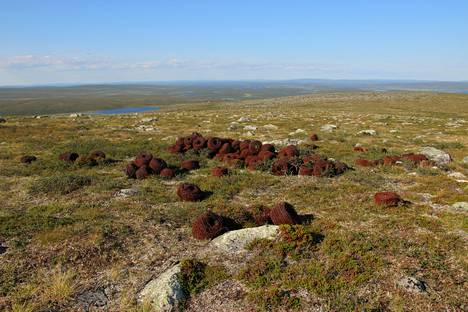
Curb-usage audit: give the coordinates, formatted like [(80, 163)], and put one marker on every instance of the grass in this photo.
[(67, 232)]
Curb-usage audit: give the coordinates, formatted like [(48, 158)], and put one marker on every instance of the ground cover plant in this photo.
[(82, 235)]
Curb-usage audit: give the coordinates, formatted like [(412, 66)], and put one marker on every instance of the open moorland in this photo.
[(91, 233)]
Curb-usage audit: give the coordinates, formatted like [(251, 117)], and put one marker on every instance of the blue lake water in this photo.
[(125, 110)]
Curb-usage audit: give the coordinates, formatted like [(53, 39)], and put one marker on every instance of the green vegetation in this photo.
[(67, 231)]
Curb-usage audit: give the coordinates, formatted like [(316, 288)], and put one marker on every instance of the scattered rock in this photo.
[(328, 128), (367, 132), (438, 156), (2, 120), (270, 127), (465, 160), (244, 119), (145, 128), (75, 115), (149, 119), (124, 193), (92, 298), (3, 249), (460, 205), (234, 126), (298, 131), (250, 128), (165, 292), (456, 175), (235, 241), (413, 284)]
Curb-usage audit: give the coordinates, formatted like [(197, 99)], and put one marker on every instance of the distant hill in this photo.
[(82, 98)]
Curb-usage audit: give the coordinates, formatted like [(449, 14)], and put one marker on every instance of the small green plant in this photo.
[(195, 275)]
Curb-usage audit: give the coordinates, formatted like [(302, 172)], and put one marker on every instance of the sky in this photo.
[(89, 41)]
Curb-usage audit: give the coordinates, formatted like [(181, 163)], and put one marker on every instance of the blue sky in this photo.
[(88, 41)]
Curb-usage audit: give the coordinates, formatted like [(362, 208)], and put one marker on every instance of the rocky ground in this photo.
[(76, 236)]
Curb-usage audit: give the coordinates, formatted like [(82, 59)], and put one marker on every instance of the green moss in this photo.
[(60, 184)]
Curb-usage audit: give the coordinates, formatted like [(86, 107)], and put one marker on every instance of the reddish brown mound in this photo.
[(255, 147), (97, 155), (323, 168), (130, 170), (281, 167), (414, 158), (260, 214), (235, 144), (69, 156), (225, 149), (265, 155), (157, 164), (387, 199), (267, 148), (176, 149), (199, 143), (253, 162), (314, 137), (208, 226), (359, 149), (244, 145), (215, 144), (391, 160), (143, 159), (167, 173), (142, 172), (368, 163), (27, 159), (219, 171), (284, 213), (190, 164), (190, 192), (340, 167), (306, 171), (288, 152), (188, 141), (313, 158)]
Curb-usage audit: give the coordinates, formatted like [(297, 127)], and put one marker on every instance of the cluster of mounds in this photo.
[(27, 159), (255, 155), (209, 225), (415, 159), (145, 165), (91, 159)]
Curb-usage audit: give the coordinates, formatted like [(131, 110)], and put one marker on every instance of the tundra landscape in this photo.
[(331, 201)]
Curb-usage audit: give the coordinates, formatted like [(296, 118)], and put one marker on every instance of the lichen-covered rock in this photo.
[(367, 132), (284, 213), (328, 128), (438, 156), (235, 241), (165, 292)]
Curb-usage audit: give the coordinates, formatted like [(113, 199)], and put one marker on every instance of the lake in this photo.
[(125, 110)]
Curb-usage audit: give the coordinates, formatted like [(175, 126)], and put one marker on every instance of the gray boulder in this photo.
[(328, 128), (235, 241), (165, 292), (436, 155)]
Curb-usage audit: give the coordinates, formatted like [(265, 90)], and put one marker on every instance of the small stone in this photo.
[(412, 284), (270, 127), (328, 128), (2, 120), (367, 132), (244, 119), (165, 292), (465, 160), (460, 205), (149, 119), (235, 241), (250, 128), (92, 298), (234, 126), (75, 115), (456, 175), (124, 193)]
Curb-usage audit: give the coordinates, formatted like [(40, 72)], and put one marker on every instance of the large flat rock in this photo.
[(235, 241)]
